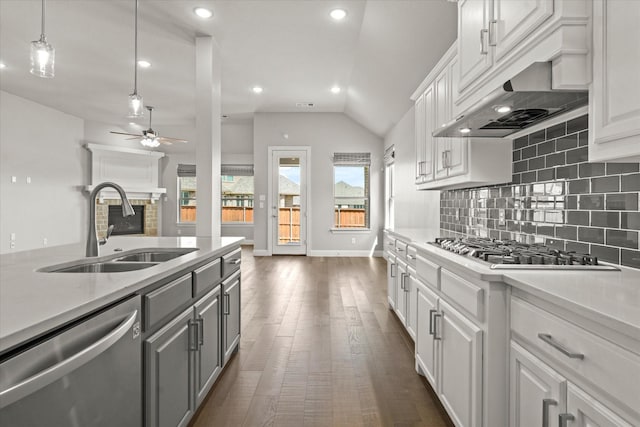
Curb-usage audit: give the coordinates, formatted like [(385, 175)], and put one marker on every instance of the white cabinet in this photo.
[(449, 353), (585, 411), (401, 298), (452, 162), (473, 40), (392, 274), (614, 107)]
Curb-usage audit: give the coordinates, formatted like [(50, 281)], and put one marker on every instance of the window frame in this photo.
[(227, 171), (362, 160)]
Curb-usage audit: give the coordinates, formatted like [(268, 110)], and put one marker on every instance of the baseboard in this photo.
[(338, 253), (261, 252)]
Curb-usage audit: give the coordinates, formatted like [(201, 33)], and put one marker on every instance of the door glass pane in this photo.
[(289, 201)]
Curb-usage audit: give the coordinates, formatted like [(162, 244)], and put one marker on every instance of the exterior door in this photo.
[(288, 202)]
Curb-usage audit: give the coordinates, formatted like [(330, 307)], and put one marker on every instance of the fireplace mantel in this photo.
[(134, 170)]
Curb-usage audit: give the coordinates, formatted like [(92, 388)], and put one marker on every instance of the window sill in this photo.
[(243, 224), (185, 224), (350, 230)]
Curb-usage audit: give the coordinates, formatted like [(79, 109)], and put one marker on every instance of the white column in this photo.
[(208, 139)]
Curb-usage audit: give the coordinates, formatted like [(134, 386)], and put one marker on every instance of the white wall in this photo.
[(45, 145), (325, 133), (413, 208)]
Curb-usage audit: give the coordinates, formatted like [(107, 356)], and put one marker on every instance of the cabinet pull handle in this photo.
[(410, 256), (406, 286), (431, 312), (492, 32), (562, 349), (444, 159), (402, 281), (393, 273), (435, 326), (545, 410), (235, 261), (483, 49), (227, 305), (200, 322), (563, 419), (193, 339)]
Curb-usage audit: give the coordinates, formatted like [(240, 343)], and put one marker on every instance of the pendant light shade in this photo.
[(135, 101), (43, 55)]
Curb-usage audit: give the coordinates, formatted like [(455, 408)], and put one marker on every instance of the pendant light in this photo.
[(135, 100), (42, 54)]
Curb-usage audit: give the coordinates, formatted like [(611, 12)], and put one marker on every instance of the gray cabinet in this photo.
[(208, 363), (168, 368), (231, 315)]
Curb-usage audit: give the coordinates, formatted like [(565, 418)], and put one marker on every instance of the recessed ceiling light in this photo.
[(336, 89), (257, 89), (465, 130), (144, 64), (2, 65), (203, 12), (338, 14), (502, 108), (132, 123)]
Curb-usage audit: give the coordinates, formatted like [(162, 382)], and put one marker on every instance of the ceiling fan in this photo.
[(149, 137)]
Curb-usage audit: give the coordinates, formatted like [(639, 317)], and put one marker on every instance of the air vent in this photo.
[(305, 104)]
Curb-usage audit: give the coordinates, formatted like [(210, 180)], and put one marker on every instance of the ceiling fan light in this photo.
[(150, 142), (135, 106), (42, 58)]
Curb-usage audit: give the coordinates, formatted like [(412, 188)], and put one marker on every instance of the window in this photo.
[(351, 190), (389, 187), (237, 194), (186, 193)]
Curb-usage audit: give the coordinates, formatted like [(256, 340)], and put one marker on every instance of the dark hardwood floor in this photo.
[(319, 347)]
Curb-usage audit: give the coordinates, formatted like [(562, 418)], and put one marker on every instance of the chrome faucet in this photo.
[(127, 210)]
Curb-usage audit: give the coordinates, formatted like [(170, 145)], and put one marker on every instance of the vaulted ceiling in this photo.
[(378, 55)]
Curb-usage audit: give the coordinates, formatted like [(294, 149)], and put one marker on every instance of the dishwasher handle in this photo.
[(59, 370)]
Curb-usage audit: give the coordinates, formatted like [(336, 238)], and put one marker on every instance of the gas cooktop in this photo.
[(509, 254)]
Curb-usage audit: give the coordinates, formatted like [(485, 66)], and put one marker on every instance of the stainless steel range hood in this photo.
[(521, 102)]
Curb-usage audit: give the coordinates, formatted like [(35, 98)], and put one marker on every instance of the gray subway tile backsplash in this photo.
[(556, 197)]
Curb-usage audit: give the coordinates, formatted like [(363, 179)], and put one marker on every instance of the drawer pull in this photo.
[(545, 410), (410, 256), (399, 249), (563, 419), (562, 349), (235, 261)]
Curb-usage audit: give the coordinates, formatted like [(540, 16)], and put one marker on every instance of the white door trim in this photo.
[(270, 153)]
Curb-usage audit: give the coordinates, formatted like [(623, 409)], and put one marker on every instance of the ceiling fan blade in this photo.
[(174, 139), (124, 133), (135, 137)]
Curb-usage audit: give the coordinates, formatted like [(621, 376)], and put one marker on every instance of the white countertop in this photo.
[(608, 297), (33, 302)]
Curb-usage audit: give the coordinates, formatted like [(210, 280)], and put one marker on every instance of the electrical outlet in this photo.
[(353, 240), (28, 180), (45, 241), (14, 179), (501, 220)]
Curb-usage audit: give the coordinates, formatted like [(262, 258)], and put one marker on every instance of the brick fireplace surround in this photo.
[(150, 216)]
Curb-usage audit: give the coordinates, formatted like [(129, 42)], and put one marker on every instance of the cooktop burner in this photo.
[(509, 254)]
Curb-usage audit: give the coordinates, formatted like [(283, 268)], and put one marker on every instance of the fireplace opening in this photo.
[(126, 225)]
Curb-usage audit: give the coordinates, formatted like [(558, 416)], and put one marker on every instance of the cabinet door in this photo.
[(412, 301), (460, 362), (420, 136), (401, 299), (429, 117), (536, 391), (589, 412), (168, 373), (425, 344), (513, 21), (392, 274), (208, 363), (474, 55), (615, 99), (231, 315), (457, 156)]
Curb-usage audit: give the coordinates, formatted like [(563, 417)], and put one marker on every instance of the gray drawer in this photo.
[(206, 277), (164, 300), (231, 262)]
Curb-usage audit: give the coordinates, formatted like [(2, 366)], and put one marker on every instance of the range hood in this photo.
[(521, 102)]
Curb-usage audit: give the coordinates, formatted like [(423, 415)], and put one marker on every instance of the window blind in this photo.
[(390, 155), (352, 159), (186, 170), (237, 170)]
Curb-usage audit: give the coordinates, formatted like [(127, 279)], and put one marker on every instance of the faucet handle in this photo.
[(109, 231)]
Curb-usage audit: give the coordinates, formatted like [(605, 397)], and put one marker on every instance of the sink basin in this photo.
[(154, 255), (105, 267)]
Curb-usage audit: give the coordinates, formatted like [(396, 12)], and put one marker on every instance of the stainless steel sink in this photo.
[(154, 256), (105, 267)]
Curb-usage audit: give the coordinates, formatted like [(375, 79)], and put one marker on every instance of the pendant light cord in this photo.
[(135, 53), (44, 9)]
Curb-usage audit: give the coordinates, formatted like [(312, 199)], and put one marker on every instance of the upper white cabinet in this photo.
[(497, 39), (614, 110), (452, 162)]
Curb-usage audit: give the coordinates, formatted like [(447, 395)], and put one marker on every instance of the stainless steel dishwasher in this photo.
[(87, 374)]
